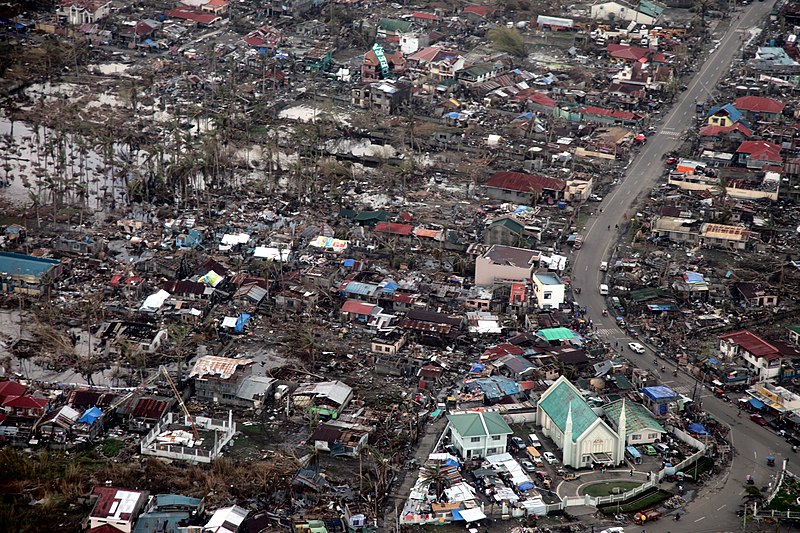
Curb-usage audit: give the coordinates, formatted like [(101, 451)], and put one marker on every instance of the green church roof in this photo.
[(637, 417), (557, 404)]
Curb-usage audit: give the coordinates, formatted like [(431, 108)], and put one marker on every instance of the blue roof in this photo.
[(356, 287), (26, 265), (497, 387), (548, 279), (734, 115), (756, 403), (90, 415), (693, 277), (659, 392)]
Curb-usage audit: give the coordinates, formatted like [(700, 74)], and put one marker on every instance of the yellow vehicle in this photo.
[(569, 476), (534, 455)]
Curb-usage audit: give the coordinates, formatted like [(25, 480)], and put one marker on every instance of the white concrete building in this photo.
[(79, 12), (478, 434), (549, 290)]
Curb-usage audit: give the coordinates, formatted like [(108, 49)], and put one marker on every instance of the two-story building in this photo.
[(505, 263), (80, 12), (660, 400), (549, 290), (477, 435), (759, 356)]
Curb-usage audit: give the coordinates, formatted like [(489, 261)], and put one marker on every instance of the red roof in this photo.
[(149, 408), (753, 344), (615, 113), (424, 16), (502, 349), (109, 503), (518, 291), (761, 150), (519, 181), (716, 131), (195, 16), (481, 11), (759, 104), (536, 97), (393, 228), (11, 388), (357, 308), (25, 402), (624, 51)]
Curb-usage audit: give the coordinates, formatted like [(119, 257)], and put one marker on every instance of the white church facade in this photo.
[(583, 437)]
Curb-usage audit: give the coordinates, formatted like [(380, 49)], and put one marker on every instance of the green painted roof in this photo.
[(637, 417), (508, 223), (650, 8), (372, 215), (394, 25), (479, 424), (558, 402), (795, 328), (649, 293), (556, 334)]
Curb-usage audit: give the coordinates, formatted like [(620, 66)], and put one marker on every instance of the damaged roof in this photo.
[(218, 367)]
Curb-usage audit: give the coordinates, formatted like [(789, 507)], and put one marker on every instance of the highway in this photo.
[(714, 508)]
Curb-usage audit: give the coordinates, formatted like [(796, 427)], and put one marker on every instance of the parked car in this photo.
[(671, 160), (758, 419), (649, 450), (528, 466), (550, 458), (636, 347), (517, 443)]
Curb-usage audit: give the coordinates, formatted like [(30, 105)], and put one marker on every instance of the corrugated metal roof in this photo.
[(219, 367)]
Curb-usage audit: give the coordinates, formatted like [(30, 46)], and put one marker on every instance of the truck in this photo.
[(649, 515)]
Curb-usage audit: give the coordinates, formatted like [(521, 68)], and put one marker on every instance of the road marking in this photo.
[(742, 492), (701, 518), (722, 506)]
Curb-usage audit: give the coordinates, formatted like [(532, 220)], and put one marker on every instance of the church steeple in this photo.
[(567, 458), (622, 433)]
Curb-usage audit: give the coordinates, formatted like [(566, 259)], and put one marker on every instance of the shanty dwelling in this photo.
[(325, 400), (226, 520), (340, 439)]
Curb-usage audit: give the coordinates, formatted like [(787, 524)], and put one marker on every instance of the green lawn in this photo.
[(606, 488), (648, 501)]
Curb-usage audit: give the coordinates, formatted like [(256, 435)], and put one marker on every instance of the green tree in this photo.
[(508, 40)]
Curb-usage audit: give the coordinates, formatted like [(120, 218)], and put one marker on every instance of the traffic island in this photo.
[(646, 500)]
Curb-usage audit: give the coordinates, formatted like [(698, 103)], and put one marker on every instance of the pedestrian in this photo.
[(631, 472)]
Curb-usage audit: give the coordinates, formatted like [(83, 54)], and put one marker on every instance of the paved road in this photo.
[(714, 510)]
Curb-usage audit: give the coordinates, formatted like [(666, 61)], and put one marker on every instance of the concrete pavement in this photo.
[(714, 508)]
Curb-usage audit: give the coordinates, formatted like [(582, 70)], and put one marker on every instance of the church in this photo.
[(583, 437)]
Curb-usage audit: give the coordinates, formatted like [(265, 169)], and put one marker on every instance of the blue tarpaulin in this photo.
[(693, 277), (756, 403), (241, 322), (90, 416), (698, 429), (452, 462), (712, 361), (477, 367), (453, 114), (526, 485), (349, 263), (457, 515)]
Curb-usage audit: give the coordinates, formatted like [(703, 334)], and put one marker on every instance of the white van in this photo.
[(603, 289), (603, 266), (534, 440)]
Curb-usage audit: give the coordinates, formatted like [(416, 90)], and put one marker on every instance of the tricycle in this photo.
[(770, 460)]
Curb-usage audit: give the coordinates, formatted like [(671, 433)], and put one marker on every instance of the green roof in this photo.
[(394, 25), (637, 417), (557, 404), (479, 424), (649, 293), (650, 8), (795, 328), (26, 265), (555, 334), (347, 213), (372, 215), (508, 223), (480, 69)]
